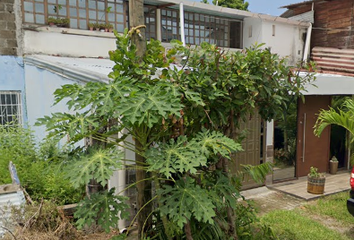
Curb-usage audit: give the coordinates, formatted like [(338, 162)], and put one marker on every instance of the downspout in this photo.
[(181, 24), (308, 39), (307, 43)]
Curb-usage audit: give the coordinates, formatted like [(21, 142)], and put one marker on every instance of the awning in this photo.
[(82, 69), (330, 84)]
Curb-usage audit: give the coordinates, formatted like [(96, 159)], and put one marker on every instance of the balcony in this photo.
[(162, 21)]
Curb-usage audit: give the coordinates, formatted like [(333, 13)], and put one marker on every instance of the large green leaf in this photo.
[(96, 163), (215, 143), (186, 200), (149, 106), (105, 207), (177, 156)]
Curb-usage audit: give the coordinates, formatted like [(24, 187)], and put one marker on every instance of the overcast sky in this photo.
[(270, 7)]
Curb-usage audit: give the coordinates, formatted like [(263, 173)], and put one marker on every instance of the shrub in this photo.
[(38, 167)]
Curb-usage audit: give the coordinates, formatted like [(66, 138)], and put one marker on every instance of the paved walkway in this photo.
[(298, 188), (292, 194)]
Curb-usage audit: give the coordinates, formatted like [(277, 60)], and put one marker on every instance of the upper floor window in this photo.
[(10, 107), (79, 12)]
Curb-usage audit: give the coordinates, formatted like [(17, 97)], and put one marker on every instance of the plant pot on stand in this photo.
[(315, 181), (333, 165)]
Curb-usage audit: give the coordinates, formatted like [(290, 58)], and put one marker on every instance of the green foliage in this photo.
[(38, 168), (237, 4), (184, 156), (98, 164), (106, 208), (183, 119), (186, 200), (293, 225)]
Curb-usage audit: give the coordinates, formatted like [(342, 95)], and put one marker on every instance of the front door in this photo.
[(311, 150)]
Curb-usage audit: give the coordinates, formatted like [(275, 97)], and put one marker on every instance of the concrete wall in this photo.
[(252, 32), (8, 39), (40, 86), (12, 78), (68, 42), (283, 39)]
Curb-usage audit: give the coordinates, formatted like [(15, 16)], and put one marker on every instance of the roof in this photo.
[(81, 69), (294, 5), (221, 11), (336, 60)]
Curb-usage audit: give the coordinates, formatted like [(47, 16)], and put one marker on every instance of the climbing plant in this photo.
[(182, 106)]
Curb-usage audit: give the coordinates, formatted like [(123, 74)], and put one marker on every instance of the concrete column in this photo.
[(270, 148), (158, 25), (10, 26)]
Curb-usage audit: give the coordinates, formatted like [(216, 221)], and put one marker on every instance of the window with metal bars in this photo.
[(80, 12), (10, 107), (201, 28)]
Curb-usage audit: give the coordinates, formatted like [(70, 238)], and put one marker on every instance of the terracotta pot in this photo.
[(333, 167)]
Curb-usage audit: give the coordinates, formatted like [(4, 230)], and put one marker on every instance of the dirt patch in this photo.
[(273, 200)]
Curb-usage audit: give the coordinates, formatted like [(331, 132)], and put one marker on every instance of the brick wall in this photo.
[(8, 38)]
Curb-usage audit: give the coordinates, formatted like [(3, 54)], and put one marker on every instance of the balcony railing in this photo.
[(198, 27)]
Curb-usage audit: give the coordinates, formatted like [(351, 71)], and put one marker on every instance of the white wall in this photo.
[(69, 42), (254, 24), (287, 40)]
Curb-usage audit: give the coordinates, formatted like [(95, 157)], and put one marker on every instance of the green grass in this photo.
[(292, 225), (334, 206)]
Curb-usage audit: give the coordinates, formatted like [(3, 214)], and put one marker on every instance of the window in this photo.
[(10, 107), (201, 28), (80, 12)]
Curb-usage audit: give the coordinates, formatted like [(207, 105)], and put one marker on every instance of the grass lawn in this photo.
[(326, 218)]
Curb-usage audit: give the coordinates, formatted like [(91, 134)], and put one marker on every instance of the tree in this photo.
[(236, 4), (183, 106), (338, 115)]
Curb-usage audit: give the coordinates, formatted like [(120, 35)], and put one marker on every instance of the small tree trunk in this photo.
[(144, 195), (188, 230), (136, 18)]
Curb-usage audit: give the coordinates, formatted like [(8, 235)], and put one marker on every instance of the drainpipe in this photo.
[(181, 24), (307, 43), (308, 39), (158, 25)]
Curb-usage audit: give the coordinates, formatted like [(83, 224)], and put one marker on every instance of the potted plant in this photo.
[(333, 165), (91, 26), (315, 181), (109, 26), (63, 22), (52, 21)]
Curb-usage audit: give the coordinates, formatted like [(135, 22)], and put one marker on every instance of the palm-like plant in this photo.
[(343, 117)]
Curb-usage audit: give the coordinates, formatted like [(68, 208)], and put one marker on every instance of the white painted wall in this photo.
[(254, 24), (69, 42), (287, 40)]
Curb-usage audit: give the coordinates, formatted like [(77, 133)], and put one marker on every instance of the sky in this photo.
[(270, 7)]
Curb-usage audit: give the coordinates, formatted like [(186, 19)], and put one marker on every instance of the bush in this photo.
[(38, 167)]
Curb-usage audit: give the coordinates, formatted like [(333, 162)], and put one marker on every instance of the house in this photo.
[(36, 59), (332, 49)]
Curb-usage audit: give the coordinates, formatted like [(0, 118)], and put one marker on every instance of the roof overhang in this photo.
[(80, 69), (330, 84)]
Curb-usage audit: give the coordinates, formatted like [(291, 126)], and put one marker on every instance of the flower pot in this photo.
[(315, 185), (333, 167)]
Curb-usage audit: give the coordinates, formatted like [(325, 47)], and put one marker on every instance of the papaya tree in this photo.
[(182, 106)]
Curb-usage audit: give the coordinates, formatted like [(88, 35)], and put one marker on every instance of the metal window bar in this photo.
[(10, 108)]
